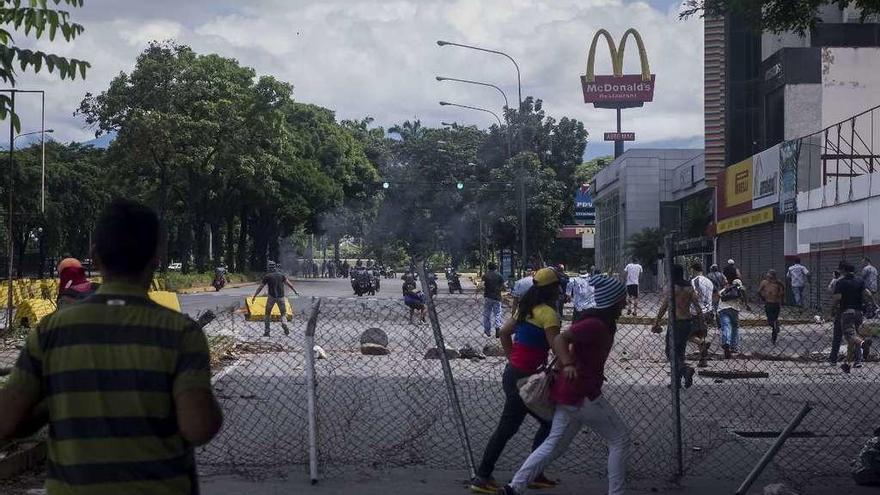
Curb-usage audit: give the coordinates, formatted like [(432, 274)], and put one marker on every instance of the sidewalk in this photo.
[(436, 482)]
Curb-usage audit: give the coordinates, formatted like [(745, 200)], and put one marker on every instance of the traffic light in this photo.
[(460, 186), (385, 185)]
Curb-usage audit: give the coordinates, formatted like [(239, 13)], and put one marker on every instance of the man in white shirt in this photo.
[(869, 276), (522, 286), (798, 274), (633, 272), (581, 293), (704, 288)]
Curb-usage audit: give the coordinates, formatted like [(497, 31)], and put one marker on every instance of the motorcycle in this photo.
[(219, 281), (454, 282)]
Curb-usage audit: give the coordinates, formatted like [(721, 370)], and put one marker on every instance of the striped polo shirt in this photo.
[(108, 368)]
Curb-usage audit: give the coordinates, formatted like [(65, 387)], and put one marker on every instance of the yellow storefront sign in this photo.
[(738, 186), (756, 217)]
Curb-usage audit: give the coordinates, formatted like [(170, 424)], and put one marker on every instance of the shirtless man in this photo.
[(687, 308), (772, 292)]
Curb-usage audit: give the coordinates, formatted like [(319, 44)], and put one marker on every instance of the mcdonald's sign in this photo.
[(618, 90)]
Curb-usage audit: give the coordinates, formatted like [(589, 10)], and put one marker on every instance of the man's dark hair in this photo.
[(797, 261), (493, 266), (634, 259), (849, 268), (126, 237), (867, 260), (697, 266)]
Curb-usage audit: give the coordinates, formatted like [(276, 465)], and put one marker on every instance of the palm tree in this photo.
[(409, 130)]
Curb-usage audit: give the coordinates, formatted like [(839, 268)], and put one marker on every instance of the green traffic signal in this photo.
[(385, 185), (459, 186)]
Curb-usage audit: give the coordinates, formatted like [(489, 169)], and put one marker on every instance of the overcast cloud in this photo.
[(379, 58)]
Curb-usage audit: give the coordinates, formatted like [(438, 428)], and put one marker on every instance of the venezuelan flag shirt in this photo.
[(530, 346)]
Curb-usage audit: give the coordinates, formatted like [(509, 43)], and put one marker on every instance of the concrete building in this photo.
[(787, 102), (629, 192)]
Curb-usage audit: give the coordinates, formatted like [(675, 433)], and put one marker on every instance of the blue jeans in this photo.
[(798, 294), (491, 314), (729, 319)]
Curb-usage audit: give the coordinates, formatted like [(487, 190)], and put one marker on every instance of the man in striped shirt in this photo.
[(124, 384)]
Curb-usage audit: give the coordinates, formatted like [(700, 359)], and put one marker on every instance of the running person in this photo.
[(798, 274), (687, 309), (526, 339), (275, 281), (705, 290), (492, 285), (772, 292), (414, 300), (850, 295), (582, 350), (633, 272)]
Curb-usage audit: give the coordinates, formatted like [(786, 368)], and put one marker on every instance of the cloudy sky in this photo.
[(379, 57)]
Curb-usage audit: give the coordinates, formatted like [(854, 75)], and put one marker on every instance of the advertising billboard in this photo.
[(738, 184), (618, 90), (584, 210), (765, 177), (789, 154)]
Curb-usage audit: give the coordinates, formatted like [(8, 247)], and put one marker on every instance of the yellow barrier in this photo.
[(165, 298), (31, 311), (256, 309)]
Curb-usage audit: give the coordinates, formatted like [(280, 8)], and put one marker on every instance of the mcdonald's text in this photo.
[(627, 89)]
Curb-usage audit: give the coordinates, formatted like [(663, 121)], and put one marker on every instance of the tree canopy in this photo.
[(776, 15), (36, 19)]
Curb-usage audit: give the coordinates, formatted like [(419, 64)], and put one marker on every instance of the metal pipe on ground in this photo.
[(771, 452)]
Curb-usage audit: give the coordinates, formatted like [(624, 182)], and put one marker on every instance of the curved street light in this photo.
[(522, 183), (442, 43), (466, 81)]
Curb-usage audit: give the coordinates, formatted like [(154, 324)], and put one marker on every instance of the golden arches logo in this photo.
[(617, 54)]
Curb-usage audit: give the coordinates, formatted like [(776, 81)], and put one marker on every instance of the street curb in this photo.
[(198, 290)]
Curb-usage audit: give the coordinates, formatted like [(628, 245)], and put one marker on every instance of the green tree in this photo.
[(776, 15), (586, 171), (645, 246), (37, 18)]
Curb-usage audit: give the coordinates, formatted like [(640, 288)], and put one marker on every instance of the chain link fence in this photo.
[(390, 407)]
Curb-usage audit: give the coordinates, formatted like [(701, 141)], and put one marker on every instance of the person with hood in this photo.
[(74, 285)]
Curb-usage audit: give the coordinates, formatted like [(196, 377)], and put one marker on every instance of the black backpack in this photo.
[(731, 293)]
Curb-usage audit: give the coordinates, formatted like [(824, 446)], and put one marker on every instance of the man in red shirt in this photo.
[(582, 350)]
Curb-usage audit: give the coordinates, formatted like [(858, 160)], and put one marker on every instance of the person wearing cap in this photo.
[(582, 351), (74, 286), (731, 272), (581, 293), (772, 292), (526, 339), (686, 301), (733, 299)]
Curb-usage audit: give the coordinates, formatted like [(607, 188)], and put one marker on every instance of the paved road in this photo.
[(193, 304), (393, 410)]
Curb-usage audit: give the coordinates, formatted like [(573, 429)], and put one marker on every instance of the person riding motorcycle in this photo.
[(219, 277), (454, 280)]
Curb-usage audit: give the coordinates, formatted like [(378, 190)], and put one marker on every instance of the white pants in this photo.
[(600, 416)]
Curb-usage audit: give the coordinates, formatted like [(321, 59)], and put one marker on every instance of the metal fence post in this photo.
[(447, 369), (673, 338), (311, 385)]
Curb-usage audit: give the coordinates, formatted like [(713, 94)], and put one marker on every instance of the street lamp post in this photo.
[(522, 182), (496, 52), (500, 124), (443, 43), (466, 81)]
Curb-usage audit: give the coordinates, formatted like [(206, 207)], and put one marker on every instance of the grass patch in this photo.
[(176, 281)]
